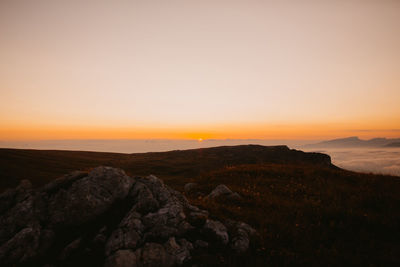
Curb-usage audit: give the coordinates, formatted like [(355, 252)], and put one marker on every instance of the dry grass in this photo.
[(310, 215)]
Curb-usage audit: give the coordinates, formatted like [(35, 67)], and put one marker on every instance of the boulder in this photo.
[(223, 191), (198, 218), (180, 251), (217, 230), (241, 235), (89, 197)]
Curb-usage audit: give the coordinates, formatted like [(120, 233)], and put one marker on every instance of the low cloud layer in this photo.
[(381, 161)]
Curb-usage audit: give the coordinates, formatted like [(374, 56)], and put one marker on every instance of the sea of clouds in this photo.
[(375, 160)]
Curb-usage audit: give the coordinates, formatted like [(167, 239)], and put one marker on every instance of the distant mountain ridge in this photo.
[(354, 141), (394, 144)]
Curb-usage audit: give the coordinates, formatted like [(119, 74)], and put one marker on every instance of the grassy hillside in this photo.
[(307, 211), (41, 166)]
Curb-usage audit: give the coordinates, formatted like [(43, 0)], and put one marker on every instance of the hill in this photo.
[(307, 211), (353, 142), (394, 144), (41, 166)]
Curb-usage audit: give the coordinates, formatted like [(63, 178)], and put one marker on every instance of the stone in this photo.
[(89, 197), (223, 191), (155, 255), (217, 230), (219, 191), (241, 235), (22, 247), (190, 187), (179, 252), (64, 181), (158, 188), (127, 235), (122, 258), (240, 242), (145, 201), (198, 218), (21, 215)]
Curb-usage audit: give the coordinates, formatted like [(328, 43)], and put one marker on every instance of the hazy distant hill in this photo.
[(394, 144), (354, 141)]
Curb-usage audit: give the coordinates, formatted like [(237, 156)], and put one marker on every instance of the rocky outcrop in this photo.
[(105, 217)]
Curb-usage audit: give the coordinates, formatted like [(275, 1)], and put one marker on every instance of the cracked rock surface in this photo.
[(107, 218)]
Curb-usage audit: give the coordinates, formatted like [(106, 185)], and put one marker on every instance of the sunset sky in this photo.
[(199, 69)]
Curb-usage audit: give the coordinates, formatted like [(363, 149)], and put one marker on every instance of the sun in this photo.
[(200, 139)]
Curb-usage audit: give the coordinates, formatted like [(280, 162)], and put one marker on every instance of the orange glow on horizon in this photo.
[(200, 133)]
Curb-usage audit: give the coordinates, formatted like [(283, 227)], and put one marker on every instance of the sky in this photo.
[(199, 69)]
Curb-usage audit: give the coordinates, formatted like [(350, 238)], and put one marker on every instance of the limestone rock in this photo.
[(122, 258), (217, 230), (105, 217), (89, 197), (223, 191), (155, 255), (22, 247), (180, 251), (241, 235)]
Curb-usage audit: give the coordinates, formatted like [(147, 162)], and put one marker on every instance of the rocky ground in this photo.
[(105, 217)]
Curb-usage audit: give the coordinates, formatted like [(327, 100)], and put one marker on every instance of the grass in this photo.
[(309, 215), (306, 211)]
